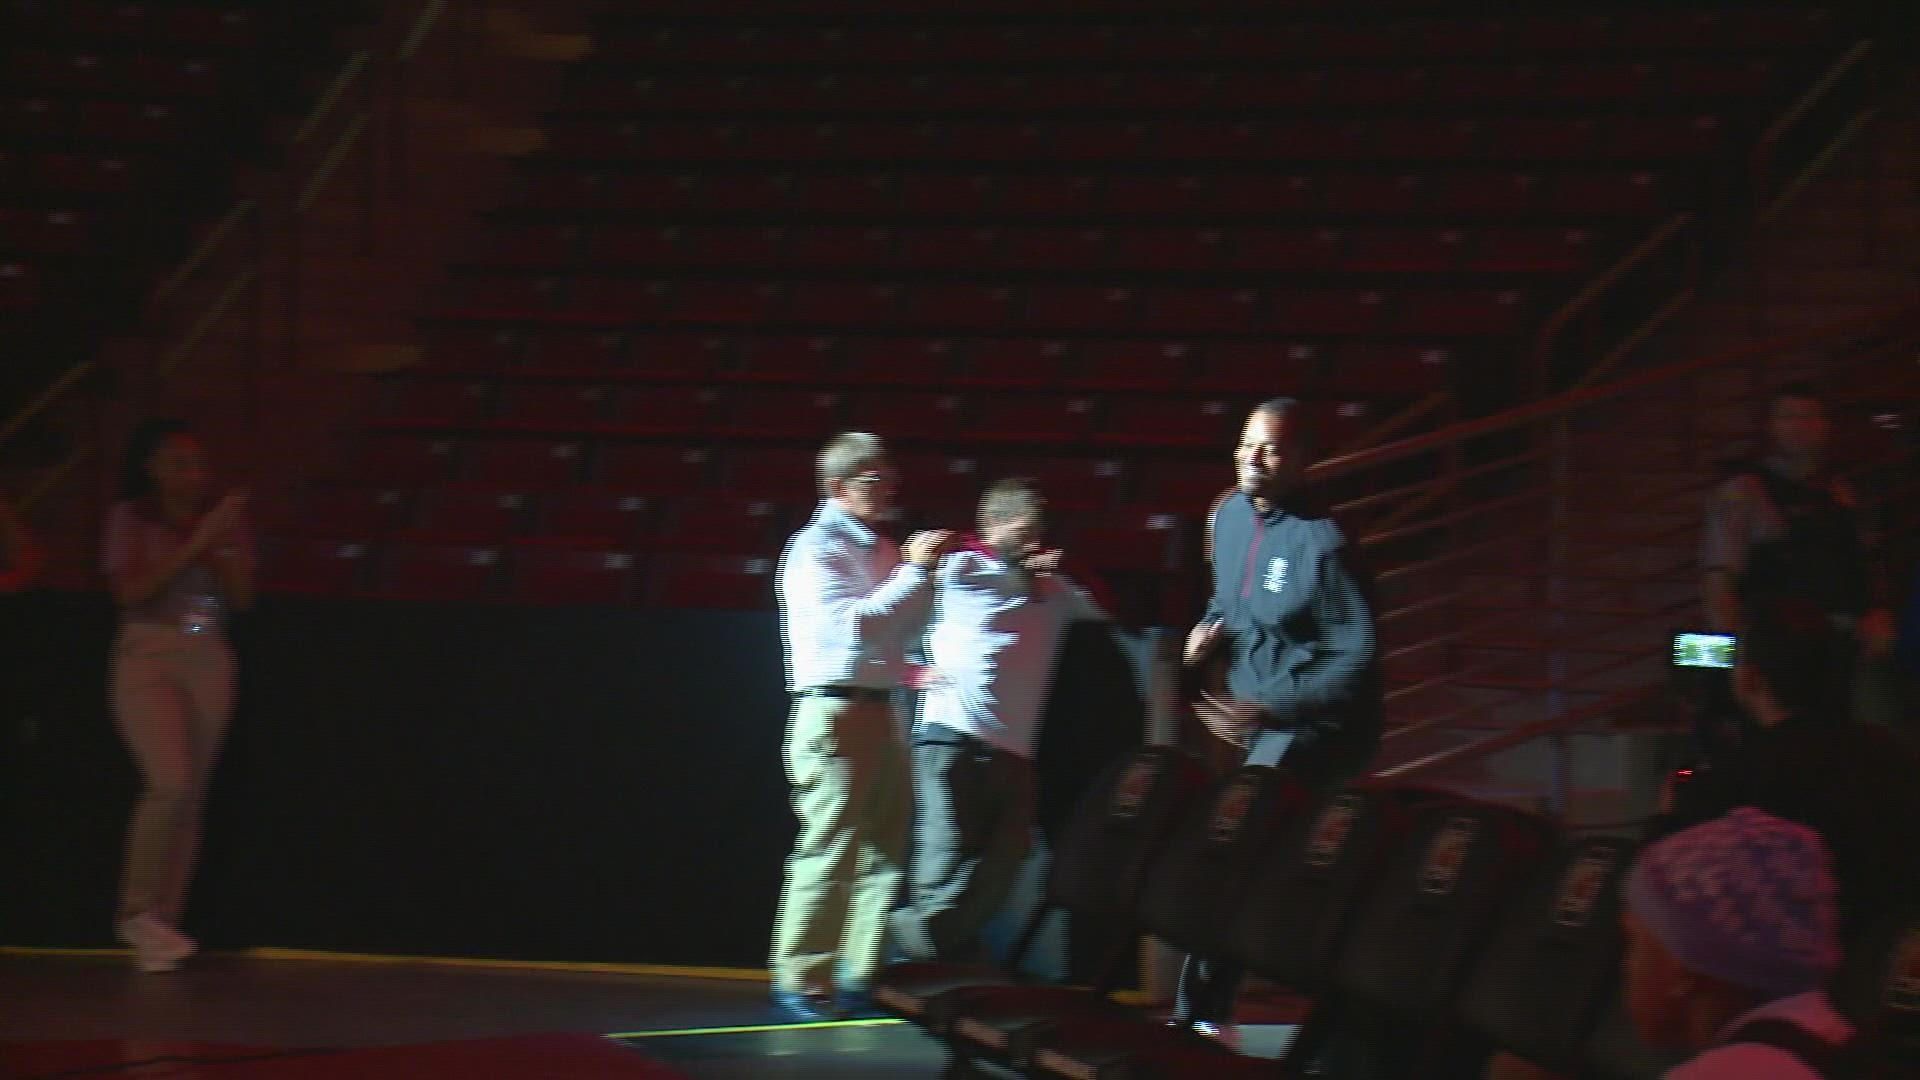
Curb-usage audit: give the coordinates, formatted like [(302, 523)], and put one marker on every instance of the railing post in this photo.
[(291, 258), (1559, 530)]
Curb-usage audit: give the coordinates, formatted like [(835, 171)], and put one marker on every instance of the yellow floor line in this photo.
[(749, 1029)]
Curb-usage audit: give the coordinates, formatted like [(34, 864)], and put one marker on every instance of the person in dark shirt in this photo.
[(1789, 528), (1292, 630), (1857, 785)]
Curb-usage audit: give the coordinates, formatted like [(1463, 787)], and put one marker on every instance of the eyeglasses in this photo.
[(868, 479)]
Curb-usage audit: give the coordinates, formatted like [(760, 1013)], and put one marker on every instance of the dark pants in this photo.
[(1208, 987), (973, 829)]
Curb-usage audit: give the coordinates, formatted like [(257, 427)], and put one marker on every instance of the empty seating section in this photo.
[(1018, 238), (117, 121)]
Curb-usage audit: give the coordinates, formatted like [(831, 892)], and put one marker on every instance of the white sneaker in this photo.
[(1227, 1035), (156, 946)]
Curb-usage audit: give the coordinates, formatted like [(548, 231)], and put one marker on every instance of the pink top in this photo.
[(195, 600)]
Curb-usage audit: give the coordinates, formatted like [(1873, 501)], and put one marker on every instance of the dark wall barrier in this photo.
[(459, 780)]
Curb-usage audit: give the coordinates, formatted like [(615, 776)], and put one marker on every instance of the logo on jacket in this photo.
[(1276, 578)]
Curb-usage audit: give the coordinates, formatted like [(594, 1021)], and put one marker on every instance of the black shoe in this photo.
[(800, 1007)]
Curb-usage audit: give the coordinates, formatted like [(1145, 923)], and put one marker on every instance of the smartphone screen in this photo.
[(1703, 650)]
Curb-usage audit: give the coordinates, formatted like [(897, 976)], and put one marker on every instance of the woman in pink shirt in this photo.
[(179, 563)]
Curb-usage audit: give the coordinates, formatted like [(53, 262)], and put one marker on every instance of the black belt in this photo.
[(846, 693)]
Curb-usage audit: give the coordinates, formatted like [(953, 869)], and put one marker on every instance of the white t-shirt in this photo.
[(993, 647)]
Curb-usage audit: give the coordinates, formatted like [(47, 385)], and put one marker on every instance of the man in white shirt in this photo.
[(1001, 610), (849, 605)]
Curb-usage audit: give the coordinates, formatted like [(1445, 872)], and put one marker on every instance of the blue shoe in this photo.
[(856, 1003), (800, 1007)]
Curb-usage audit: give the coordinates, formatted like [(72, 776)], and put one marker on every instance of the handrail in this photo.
[(53, 476), (1761, 160), (207, 321), (422, 26), (67, 380), (204, 250), (1394, 424), (1569, 400), (1549, 335), (349, 73), (1848, 131)]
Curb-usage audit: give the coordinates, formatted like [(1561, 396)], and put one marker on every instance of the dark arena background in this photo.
[(523, 325)]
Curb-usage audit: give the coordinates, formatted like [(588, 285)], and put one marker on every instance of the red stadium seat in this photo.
[(712, 581), (1080, 307), (1403, 251), (1293, 251), (475, 348), (1074, 483), (773, 473), (1168, 249), (959, 307), (1261, 369), (786, 358), (934, 478), (428, 401), (445, 572), (556, 574), (845, 303), (1055, 248), (950, 247), (741, 248), (1203, 311), (657, 468), (1134, 364), (672, 355), (582, 514), (353, 511), (720, 525), (407, 460), (666, 410), (1187, 484), (1329, 311), (1012, 362), (777, 413), (1035, 418), (910, 414), (317, 565), (950, 193), (525, 462), (470, 514), (553, 406), (556, 349), (842, 247), (1181, 422), (1464, 311)]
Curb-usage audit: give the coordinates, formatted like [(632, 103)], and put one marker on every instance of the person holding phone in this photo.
[(180, 561)]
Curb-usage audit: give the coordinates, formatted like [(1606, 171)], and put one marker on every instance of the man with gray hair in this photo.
[(1001, 609), (850, 601)]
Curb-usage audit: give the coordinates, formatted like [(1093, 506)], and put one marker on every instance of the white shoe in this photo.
[(1227, 1035), (156, 946)]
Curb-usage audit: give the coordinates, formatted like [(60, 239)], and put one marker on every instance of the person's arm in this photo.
[(830, 577), (135, 579), (236, 559), (18, 553), (1346, 646), (1723, 552)]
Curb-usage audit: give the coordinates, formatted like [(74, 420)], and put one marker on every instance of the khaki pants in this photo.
[(172, 695), (848, 766)]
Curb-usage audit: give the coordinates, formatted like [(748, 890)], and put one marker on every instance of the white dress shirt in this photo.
[(848, 605), (993, 647)]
